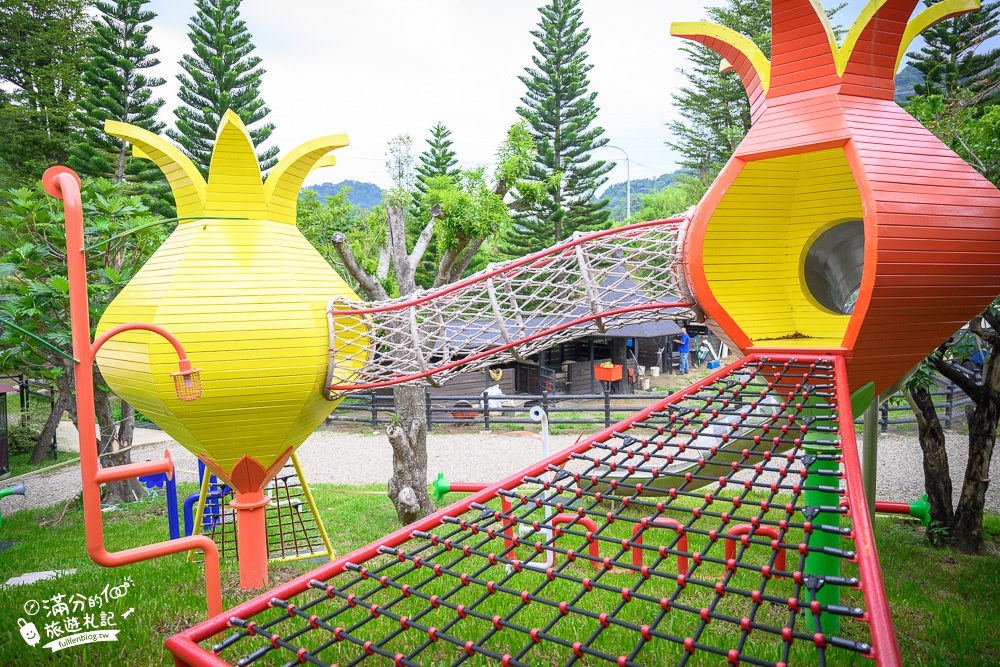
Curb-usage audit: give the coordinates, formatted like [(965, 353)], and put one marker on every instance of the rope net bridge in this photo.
[(591, 283), (715, 527)]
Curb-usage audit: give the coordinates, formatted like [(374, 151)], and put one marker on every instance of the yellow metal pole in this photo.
[(200, 509), (312, 505)]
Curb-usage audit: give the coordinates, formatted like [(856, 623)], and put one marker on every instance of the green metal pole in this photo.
[(821, 564), (869, 463)]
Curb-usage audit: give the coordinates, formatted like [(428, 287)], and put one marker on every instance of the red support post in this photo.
[(62, 183)]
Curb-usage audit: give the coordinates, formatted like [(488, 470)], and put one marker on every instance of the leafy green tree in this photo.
[(34, 284), (438, 160), (42, 51), (118, 89), (561, 112), (953, 56), (364, 228), (464, 212), (665, 203), (220, 74), (971, 130)]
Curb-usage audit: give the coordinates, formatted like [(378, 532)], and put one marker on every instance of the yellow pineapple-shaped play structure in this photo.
[(246, 294)]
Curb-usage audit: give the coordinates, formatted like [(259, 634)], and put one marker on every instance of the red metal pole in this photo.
[(251, 537), (468, 487), (63, 183), (885, 649)]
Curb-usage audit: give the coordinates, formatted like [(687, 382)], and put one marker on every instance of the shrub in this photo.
[(23, 433)]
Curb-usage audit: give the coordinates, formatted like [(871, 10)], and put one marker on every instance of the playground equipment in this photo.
[(166, 481), (16, 490), (294, 530), (829, 251), (62, 183), (840, 223), (459, 582), (246, 291)]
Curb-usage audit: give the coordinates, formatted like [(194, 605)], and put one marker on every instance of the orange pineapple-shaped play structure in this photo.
[(840, 223)]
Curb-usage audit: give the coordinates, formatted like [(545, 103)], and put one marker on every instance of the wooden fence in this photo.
[(601, 409)]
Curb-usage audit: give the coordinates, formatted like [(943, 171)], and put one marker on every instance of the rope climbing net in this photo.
[(509, 311), (713, 528), (292, 530)]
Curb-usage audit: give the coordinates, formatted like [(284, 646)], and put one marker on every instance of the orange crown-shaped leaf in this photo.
[(805, 55)]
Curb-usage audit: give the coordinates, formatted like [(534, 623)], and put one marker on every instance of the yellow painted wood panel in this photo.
[(757, 237)]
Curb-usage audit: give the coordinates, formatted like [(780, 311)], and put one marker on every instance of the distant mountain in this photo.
[(362, 195), (617, 193), (907, 78)]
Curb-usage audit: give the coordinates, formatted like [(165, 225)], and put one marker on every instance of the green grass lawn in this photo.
[(19, 462), (944, 604)]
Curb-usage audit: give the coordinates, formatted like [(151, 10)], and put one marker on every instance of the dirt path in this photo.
[(334, 457)]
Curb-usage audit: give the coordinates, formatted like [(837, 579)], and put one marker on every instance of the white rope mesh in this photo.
[(588, 285)]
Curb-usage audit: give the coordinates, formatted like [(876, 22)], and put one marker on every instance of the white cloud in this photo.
[(379, 68)]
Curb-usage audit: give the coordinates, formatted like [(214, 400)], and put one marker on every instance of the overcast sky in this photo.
[(376, 68)]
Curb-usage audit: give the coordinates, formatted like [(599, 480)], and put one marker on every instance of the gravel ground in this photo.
[(352, 458)]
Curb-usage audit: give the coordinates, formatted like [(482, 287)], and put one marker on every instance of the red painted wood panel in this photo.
[(872, 64), (799, 44)]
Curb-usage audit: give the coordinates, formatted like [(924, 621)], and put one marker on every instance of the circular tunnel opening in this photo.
[(834, 264)]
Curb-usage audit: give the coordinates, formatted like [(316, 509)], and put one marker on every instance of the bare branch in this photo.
[(369, 285), (420, 247), (987, 336), (501, 188), (463, 263), (448, 259), (991, 318), (397, 248), (383, 262), (980, 167), (957, 377)]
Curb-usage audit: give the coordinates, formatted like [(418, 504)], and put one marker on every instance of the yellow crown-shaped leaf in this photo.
[(235, 187)]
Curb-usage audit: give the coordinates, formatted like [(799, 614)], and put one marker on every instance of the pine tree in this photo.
[(714, 111), (438, 160), (42, 50), (561, 111), (950, 60), (220, 74), (117, 89)]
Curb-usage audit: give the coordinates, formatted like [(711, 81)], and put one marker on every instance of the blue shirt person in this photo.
[(684, 348)]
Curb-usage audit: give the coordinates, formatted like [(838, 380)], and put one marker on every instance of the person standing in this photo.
[(684, 348)]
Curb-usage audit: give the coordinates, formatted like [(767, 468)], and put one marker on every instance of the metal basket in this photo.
[(187, 384)]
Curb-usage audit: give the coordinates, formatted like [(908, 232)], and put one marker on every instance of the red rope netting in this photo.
[(707, 529)]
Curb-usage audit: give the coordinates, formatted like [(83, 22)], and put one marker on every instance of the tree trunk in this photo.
[(115, 445), (937, 477), (968, 531), (408, 437), (64, 397)]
